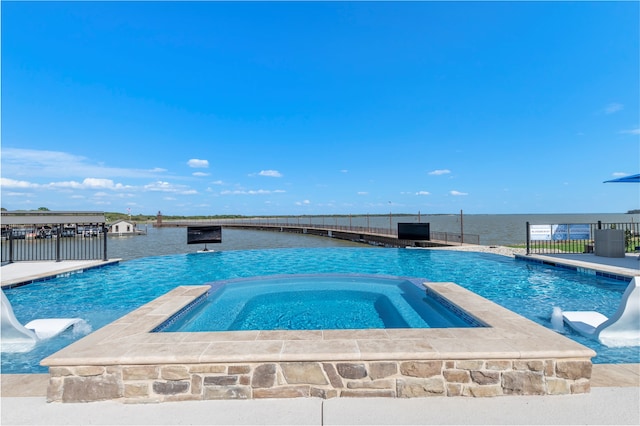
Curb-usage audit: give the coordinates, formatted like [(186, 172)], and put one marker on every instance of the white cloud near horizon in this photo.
[(423, 193), (88, 183), (457, 193), (94, 183), (440, 172), (198, 164), (12, 183), (303, 203)]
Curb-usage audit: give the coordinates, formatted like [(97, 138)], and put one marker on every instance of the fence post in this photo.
[(528, 239), (58, 242), (104, 242), (461, 229), (10, 245)]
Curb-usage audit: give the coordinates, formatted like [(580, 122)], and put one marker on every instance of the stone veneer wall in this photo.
[(394, 379)]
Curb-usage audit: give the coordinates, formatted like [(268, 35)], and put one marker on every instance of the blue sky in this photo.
[(261, 108)]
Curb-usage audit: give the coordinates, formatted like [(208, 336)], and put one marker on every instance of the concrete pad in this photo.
[(36, 411), (24, 384), (602, 406)]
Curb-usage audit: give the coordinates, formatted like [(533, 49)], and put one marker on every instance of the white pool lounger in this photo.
[(622, 329), (19, 338)]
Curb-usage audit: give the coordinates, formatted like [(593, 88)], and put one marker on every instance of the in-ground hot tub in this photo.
[(128, 362), (317, 302)]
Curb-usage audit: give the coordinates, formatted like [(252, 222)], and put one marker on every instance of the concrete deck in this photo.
[(600, 407)]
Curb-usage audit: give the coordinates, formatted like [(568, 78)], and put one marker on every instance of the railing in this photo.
[(320, 223), (583, 240), (53, 242)]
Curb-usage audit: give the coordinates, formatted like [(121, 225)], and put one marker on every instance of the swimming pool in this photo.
[(103, 295), (316, 302)]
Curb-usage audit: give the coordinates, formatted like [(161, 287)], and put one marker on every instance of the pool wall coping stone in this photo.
[(238, 358), (26, 272)]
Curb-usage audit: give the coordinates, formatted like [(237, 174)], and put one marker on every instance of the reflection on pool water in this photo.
[(103, 295), (316, 302)]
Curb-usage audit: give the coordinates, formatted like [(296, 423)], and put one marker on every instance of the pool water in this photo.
[(316, 302), (102, 295)]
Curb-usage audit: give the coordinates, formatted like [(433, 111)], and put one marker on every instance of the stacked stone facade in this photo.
[(393, 379)]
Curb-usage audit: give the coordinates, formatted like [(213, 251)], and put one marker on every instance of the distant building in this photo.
[(123, 227)]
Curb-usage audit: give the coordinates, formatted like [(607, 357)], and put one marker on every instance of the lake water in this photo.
[(492, 230)]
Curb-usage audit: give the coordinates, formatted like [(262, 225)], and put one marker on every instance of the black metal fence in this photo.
[(81, 241), (330, 225), (560, 238)]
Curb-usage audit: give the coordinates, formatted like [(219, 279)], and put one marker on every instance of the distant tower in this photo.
[(159, 218)]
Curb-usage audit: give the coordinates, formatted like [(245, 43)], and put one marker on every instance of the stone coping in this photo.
[(128, 340), (615, 268), (26, 272)]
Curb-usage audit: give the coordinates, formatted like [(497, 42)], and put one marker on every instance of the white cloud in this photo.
[(631, 131), (200, 174), (65, 184), (12, 183), (252, 192), (99, 183), (303, 203), (620, 174), (457, 193), (363, 193), (270, 173), (423, 193), (162, 186), (198, 164), (440, 172), (217, 182), (18, 162), (16, 194), (88, 183), (613, 108), (344, 171)]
